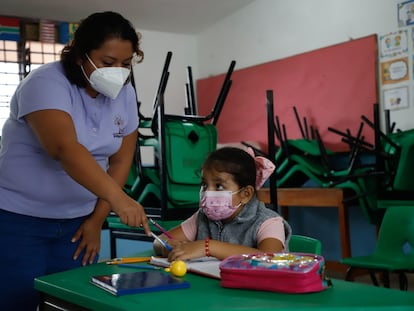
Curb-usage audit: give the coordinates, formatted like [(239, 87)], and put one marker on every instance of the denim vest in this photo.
[(243, 228)]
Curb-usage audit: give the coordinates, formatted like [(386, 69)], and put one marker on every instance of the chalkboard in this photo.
[(330, 87)]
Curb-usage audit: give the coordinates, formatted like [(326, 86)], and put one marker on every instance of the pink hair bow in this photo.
[(264, 168)]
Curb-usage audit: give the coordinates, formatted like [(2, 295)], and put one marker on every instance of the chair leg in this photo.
[(373, 278), (403, 281), (112, 241), (386, 279), (348, 274)]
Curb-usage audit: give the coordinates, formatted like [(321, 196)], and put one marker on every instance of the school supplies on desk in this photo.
[(205, 266), (134, 266), (117, 261), (120, 284), (276, 272)]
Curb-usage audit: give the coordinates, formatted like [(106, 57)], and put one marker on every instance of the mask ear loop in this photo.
[(90, 60), (83, 69), (84, 73), (240, 203)]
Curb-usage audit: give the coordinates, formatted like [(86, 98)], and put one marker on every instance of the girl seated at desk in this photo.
[(231, 220)]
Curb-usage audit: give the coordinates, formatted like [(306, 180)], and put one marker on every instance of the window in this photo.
[(9, 76), (16, 61)]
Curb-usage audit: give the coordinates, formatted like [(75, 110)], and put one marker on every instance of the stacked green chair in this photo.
[(394, 157), (186, 146), (402, 164), (309, 156), (139, 175), (394, 252), (184, 142), (301, 160)]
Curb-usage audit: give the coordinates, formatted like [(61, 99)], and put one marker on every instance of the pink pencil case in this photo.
[(276, 272)]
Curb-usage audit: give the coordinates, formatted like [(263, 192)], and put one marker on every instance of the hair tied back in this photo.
[(264, 168)]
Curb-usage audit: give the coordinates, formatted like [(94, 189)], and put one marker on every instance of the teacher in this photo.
[(67, 148)]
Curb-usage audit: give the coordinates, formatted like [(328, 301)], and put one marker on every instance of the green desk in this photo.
[(71, 290)]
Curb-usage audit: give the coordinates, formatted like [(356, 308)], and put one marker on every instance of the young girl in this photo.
[(231, 220)]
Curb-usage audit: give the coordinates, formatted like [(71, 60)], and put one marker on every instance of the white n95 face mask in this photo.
[(107, 80)]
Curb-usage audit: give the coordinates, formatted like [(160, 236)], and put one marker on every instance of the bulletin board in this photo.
[(330, 87)]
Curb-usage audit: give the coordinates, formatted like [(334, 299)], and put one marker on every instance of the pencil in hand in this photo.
[(163, 243)]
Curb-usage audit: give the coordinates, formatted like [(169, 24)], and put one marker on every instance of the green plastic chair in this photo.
[(305, 244), (394, 252), (405, 165)]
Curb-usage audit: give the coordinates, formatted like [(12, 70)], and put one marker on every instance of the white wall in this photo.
[(148, 73), (268, 30), (263, 31)]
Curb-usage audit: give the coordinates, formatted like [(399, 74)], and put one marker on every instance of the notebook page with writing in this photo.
[(206, 266)]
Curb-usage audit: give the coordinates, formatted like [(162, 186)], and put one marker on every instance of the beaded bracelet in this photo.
[(206, 246)]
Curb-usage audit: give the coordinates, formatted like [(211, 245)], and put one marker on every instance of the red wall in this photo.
[(331, 87)]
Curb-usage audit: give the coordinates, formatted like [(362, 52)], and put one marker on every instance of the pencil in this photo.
[(125, 265), (160, 228), (163, 243), (117, 261)]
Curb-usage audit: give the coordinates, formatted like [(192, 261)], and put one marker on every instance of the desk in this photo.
[(71, 290), (314, 197)]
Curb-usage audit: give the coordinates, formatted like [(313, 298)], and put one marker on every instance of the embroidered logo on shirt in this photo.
[(119, 122)]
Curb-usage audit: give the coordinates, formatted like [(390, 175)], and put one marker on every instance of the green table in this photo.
[(72, 290)]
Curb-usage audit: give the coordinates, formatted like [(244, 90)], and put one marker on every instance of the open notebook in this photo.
[(206, 266)]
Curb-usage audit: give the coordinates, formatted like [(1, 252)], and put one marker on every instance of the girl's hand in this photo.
[(183, 250)]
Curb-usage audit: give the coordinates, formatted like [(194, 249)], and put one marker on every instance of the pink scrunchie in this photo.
[(264, 168)]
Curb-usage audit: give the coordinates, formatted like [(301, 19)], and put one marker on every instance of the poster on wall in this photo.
[(394, 71), (394, 44), (396, 61), (406, 13), (396, 98)]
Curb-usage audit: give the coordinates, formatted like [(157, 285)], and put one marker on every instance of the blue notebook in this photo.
[(138, 282)]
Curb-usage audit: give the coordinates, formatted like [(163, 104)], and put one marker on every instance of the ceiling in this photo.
[(178, 16)]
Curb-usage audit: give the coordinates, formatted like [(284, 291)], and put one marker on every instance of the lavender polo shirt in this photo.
[(31, 182)]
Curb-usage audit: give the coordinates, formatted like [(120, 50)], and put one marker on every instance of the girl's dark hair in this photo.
[(91, 35), (234, 161)]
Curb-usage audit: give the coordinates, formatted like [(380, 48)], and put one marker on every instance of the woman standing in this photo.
[(66, 151)]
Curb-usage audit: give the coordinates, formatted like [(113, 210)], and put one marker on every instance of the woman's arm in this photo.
[(56, 133), (90, 231), (119, 167)]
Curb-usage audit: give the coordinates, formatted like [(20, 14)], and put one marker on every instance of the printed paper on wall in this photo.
[(394, 71), (393, 44), (396, 98)]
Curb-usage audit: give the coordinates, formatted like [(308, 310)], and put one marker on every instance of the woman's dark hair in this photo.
[(91, 35), (234, 161)]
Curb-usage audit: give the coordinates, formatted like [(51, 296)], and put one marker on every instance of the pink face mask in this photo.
[(217, 205)]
